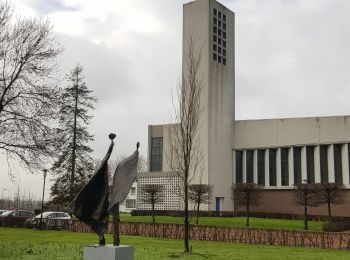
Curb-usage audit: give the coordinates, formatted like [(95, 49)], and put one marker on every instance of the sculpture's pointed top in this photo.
[(137, 145)]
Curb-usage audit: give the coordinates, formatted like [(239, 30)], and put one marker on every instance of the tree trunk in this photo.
[(74, 146), (247, 215), (329, 212), (153, 216), (186, 222), (305, 217), (197, 217)]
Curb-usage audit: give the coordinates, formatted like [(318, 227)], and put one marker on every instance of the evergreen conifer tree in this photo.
[(74, 163)]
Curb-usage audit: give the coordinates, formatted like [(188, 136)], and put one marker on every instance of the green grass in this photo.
[(28, 244), (230, 222)]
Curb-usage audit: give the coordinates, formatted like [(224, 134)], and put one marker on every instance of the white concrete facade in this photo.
[(285, 151), (303, 133), (130, 201), (171, 194)]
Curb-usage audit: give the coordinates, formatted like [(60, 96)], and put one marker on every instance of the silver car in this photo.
[(50, 220)]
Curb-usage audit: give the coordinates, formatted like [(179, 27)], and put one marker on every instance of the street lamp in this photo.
[(2, 199), (42, 201)]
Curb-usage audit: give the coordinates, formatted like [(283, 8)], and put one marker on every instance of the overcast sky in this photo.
[(292, 60)]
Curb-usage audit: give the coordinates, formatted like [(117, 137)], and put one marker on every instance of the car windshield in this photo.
[(45, 214), (6, 213)]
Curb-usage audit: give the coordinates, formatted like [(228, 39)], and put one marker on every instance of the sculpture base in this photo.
[(108, 252)]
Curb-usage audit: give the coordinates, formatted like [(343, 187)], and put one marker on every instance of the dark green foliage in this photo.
[(74, 163)]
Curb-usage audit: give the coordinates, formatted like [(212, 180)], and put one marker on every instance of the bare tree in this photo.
[(141, 164), (306, 195), (185, 156), (246, 194), (152, 194), (28, 97), (200, 194), (330, 193)]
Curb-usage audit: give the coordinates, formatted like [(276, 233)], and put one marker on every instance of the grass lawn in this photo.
[(28, 244), (230, 222)]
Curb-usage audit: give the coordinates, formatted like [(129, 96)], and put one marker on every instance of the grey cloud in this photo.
[(107, 71), (52, 6), (292, 60), (132, 85)]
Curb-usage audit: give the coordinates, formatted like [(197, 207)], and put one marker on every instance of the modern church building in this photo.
[(275, 153)]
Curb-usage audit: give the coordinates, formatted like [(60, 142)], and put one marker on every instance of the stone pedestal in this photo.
[(108, 252)]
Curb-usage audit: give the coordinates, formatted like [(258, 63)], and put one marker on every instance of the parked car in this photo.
[(2, 211), (14, 218), (50, 220)]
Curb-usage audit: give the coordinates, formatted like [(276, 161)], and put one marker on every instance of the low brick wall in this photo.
[(329, 240)]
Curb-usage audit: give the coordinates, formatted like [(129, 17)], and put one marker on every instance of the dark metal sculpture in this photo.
[(91, 205), (124, 176)]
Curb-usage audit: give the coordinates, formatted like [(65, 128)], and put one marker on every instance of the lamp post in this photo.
[(2, 199), (42, 201)]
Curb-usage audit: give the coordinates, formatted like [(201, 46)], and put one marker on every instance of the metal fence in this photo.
[(329, 240)]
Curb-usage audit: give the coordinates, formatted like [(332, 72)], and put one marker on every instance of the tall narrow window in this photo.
[(324, 163), (284, 167), (348, 145), (297, 165), (250, 165), (261, 167), (239, 166), (156, 154), (310, 166), (338, 164), (272, 167)]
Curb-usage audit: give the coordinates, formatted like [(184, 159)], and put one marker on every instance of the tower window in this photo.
[(156, 154), (219, 23), (215, 20), (224, 44), (219, 41), (219, 58), (219, 15), (224, 26), (224, 52), (219, 32), (224, 35), (215, 57), (219, 50), (215, 30), (215, 12), (215, 47), (224, 17), (214, 38)]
